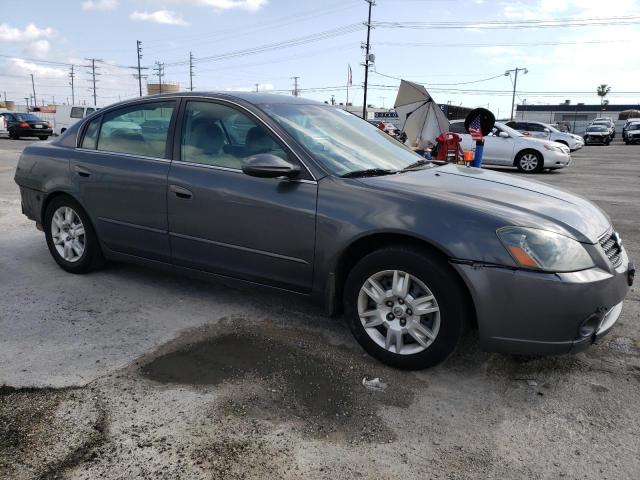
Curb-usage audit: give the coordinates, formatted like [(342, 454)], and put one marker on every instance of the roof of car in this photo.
[(252, 97)]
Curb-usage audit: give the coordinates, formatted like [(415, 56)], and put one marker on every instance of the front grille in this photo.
[(610, 243)]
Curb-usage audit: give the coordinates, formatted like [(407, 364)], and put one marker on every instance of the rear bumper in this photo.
[(34, 132), (535, 313)]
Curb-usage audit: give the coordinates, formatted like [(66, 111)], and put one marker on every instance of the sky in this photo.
[(460, 49)]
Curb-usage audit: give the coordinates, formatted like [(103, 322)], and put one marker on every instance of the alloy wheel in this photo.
[(529, 162), (67, 232), (399, 312)]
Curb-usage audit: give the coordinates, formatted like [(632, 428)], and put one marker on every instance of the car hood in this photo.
[(514, 200)]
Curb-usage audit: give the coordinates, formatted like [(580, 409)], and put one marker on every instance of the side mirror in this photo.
[(546, 130), (267, 165), (503, 135)]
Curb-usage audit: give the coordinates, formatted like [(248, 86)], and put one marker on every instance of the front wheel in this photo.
[(529, 161), (71, 239), (43, 137), (405, 307)]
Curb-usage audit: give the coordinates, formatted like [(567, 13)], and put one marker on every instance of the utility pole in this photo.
[(73, 93), (26, 99), (33, 86), (139, 50), (159, 71), (295, 92), (257, 87), (515, 83), (93, 78), (191, 71), (366, 59)]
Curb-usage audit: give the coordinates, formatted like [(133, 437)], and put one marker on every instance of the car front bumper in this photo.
[(555, 160), (535, 313)]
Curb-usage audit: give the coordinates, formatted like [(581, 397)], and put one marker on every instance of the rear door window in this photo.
[(127, 130)]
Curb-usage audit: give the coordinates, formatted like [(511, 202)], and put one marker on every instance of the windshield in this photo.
[(509, 130), (339, 140), (553, 129), (596, 129), (634, 126), (28, 117)]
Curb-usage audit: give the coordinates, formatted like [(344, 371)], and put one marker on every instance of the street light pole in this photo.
[(515, 83)]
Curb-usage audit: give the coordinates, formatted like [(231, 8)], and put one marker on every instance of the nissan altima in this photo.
[(302, 197)]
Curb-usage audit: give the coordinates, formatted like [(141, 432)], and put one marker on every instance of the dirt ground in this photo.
[(131, 373)]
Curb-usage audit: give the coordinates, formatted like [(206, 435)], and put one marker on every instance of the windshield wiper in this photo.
[(417, 164), (369, 172)]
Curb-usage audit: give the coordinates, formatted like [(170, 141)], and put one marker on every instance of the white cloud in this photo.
[(100, 5), (38, 49), (166, 17), (29, 34), (21, 65), (262, 87), (249, 5)]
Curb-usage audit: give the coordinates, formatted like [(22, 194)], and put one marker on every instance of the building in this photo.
[(576, 116)]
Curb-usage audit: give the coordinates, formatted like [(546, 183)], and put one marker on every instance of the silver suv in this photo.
[(547, 132)]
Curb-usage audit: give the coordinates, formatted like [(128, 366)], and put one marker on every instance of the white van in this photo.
[(67, 115)]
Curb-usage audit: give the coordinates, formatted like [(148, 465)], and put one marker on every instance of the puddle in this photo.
[(285, 380)]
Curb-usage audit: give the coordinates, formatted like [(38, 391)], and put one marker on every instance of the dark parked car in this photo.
[(632, 134), (313, 200), (26, 125), (598, 134)]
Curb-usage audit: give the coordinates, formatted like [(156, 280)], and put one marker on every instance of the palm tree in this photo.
[(602, 92)]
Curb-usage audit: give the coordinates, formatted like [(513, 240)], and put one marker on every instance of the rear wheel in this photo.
[(43, 137), (405, 307), (529, 161), (71, 239), (13, 135)]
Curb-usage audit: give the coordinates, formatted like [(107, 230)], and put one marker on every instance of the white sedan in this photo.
[(508, 147)]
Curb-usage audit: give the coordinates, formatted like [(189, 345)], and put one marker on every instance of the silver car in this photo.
[(293, 195)]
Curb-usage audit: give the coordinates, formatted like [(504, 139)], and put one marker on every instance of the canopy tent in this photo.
[(420, 116), (627, 114)]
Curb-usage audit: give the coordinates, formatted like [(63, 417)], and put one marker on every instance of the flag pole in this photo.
[(346, 105)]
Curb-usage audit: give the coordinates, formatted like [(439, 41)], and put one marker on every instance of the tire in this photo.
[(43, 137), (13, 135), (89, 257), (529, 161), (446, 325)]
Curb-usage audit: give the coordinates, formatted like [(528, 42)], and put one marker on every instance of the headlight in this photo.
[(542, 250), (553, 148)]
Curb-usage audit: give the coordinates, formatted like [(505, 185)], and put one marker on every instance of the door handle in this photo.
[(83, 172), (180, 192)]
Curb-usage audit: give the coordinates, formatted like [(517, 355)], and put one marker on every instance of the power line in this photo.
[(294, 42), (515, 24)]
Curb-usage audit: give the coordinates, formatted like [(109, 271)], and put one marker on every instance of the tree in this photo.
[(603, 91)]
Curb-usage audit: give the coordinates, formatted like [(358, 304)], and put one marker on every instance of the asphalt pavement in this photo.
[(134, 373)]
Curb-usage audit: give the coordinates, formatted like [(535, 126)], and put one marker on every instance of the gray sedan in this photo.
[(304, 198)]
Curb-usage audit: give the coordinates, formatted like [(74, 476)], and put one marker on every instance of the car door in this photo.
[(226, 222), (121, 174), (538, 131), (498, 150)]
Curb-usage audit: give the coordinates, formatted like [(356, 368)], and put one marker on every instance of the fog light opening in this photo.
[(590, 326)]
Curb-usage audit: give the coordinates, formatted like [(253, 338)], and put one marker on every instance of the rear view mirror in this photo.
[(267, 165)]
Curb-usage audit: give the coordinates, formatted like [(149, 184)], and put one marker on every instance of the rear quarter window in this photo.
[(90, 137)]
